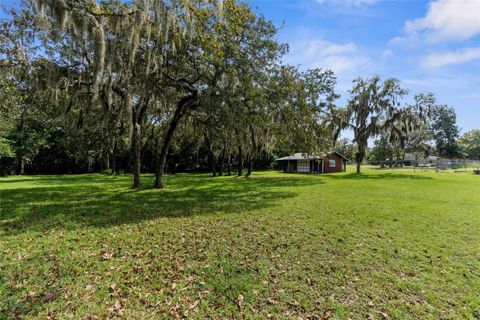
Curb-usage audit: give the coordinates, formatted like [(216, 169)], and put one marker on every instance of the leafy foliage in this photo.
[(445, 131), (469, 145), (154, 73), (372, 108), (6, 150)]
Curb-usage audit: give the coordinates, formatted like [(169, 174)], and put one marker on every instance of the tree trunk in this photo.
[(107, 161), (138, 120), (136, 149), (250, 167), (213, 164), (221, 164), (114, 161), (359, 157), (254, 144), (20, 156), (240, 162), (362, 146), (211, 156), (160, 171), (182, 106), (21, 166), (162, 159), (229, 170)]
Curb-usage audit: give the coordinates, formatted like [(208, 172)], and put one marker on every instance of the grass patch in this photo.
[(386, 243)]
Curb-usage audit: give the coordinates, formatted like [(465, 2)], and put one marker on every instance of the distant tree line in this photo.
[(438, 136), (185, 85)]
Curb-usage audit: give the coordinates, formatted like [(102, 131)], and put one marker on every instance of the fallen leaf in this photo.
[(118, 305), (48, 296), (294, 303), (240, 300), (105, 255), (194, 304)]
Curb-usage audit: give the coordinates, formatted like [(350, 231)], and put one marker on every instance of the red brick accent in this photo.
[(338, 163)]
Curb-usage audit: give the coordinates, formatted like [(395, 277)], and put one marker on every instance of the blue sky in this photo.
[(431, 46)]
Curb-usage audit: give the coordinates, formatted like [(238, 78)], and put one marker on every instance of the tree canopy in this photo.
[(469, 145), (135, 81)]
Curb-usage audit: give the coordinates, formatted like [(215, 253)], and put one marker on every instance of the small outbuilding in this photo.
[(314, 163)]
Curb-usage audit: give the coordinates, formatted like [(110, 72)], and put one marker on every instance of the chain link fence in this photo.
[(439, 165)]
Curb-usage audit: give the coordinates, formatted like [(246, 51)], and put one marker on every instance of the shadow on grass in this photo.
[(62, 179), (101, 201)]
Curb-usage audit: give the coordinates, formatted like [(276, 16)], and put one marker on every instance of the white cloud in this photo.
[(447, 20), (321, 47), (319, 53), (387, 53), (439, 59), (440, 81), (350, 3)]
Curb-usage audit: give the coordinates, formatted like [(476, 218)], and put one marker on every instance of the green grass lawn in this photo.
[(386, 244)]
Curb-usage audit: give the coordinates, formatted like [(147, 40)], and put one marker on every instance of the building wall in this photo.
[(338, 163), (311, 166)]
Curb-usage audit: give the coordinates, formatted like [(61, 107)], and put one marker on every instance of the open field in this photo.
[(386, 244)]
